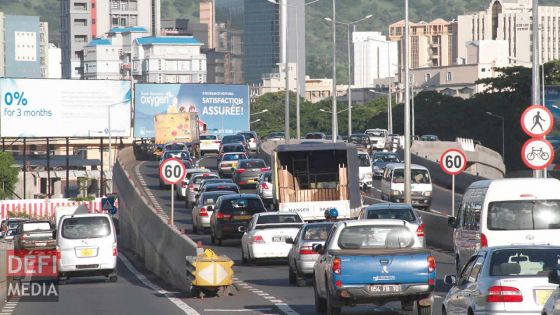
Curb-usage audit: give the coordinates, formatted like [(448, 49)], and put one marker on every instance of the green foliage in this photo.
[(8, 175)]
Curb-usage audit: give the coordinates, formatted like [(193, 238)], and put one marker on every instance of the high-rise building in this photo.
[(22, 46), (54, 58), (208, 17), (432, 44), (510, 20), (84, 20), (374, 58)]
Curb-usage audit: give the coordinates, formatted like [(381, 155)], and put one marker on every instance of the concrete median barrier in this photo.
[(145, 232)]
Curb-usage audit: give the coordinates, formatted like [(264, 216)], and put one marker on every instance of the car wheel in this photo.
[(332, 309), (407, 305), (320, 303), (423, 310), (443, 311), (291, 275)]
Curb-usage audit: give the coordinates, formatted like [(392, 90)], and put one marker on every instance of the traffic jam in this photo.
[(307, 209)]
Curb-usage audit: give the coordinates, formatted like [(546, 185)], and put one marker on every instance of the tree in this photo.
[(8, 175)]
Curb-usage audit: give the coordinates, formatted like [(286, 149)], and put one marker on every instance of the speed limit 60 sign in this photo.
[(172, 171), (453, 161)]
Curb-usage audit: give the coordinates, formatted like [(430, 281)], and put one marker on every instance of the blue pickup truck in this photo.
[(373, 262)]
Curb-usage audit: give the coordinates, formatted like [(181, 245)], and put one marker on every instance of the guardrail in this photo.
[(161, 247)]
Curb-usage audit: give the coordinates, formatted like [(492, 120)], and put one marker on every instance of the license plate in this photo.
[(542, 296), (278, 238), (42, 244), (251, 181), (242, 217), (385, 288), (86, 252)]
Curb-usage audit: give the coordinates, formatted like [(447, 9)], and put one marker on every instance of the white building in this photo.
[(54, 58), (510, 20), (374, 57)]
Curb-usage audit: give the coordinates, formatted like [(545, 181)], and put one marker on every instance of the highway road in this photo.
[(262, 289)]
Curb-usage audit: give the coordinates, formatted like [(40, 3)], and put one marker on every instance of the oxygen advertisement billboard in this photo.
[(64, 108), (222, 109)]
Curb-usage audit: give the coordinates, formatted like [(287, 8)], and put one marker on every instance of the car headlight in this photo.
[(428, 193), (396, 192), (367, 176), (376, 168)]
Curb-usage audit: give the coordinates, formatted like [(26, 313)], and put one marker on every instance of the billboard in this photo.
[(223, 109), (64, 108)]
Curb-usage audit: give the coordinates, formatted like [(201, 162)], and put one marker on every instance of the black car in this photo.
[(232, 212)]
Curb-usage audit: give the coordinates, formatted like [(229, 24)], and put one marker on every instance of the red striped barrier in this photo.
[(43, 208)]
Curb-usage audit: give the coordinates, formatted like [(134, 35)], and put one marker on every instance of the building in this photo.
[(510, 20), (184, 27), (483, 57), (54, 57), (374, 58), (317, 90), (24, 39), (44, 48), (216, 66), (208, 17), (432, 44), (84, 20)]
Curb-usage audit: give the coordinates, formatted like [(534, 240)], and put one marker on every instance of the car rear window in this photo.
[(524, 215), (376, 133), (36, 226), (418, 176), (234, 157), (242, 205), (316, 232), (375, 236), (208, 137), (233, 148), (399, 214), (191, 174), (523, 262), (85, 227), (200, 178), (252, 164), (233, 139), (281, 218), (233, 188), (210, 199), (386, 158)]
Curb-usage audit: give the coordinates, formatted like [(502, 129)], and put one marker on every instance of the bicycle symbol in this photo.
[(537, 153)]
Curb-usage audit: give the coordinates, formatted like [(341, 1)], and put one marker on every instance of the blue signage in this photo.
[(222, 109), (108, 204)]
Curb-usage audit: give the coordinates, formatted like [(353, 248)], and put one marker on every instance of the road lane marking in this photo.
[(178, 302)]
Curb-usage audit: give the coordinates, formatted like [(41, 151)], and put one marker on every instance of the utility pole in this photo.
[(407, 168), (334, 110), (535, 97)]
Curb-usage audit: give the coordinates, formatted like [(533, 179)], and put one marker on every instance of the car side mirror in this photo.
[(242, 229), (289, 240), (318, 248), (450, 280), (452, 222), (554, 276)]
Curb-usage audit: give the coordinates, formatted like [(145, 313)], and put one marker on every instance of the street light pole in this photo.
[(535, 97), (334, 117), (389, 105), (284, 10), (349, 85), (407, 166)]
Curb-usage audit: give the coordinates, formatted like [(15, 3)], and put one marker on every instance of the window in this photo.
[(316, 232), (466, 271), (375, 236), (523, 262), (475, 272), (123, 21), (280, 218), (428, 77), (80, 22), (82, 6), (86, 227), (524, 215), (398, 214), (449, 76), (115, 21)]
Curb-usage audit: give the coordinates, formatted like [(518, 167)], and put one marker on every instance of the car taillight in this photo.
[(336, 266), (240, 170), (258, 239), (203, 212), (264, 169), (420, 230), (483, 240), (306, 250), (431, 264), (115, 251), (184, 185), (504, 294), (191, 188), (58, 253), (221, 216), (264, 186)]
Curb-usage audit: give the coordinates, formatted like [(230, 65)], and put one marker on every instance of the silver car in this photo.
[(194, 185), (182, 187), (264, 187), (249, 171), (399, 211), (203, 209), (301, 257), (229, 163), (503, 280)]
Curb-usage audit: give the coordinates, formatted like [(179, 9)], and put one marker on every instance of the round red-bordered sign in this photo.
[(172, 171), (453, 161), (537, 153), (537, 127)]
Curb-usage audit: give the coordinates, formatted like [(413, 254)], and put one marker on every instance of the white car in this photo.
[(378, 138), (264, 187), (181, 188), (265, 236), (209, 143), (194, 185), (87, 245)]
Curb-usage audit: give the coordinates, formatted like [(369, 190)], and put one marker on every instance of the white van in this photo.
[(365, 170), (392, 185), (87, 246), (505, 212)]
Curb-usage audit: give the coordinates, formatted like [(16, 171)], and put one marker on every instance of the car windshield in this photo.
[(314, 136), (234, 157), (239, 205), (316, 232), (252, 164), (390, 158), (176, 154), (375, 236), (208, 137), (376, 133), (218, 187), (280, 218), (523, 262), (363, 160), (85, 227), (359, 139), (417, 176), (36, 226), (233, 148), (198, 179), (13, 224), (210, 199), (524, 215), (399, 214), (233, 139)]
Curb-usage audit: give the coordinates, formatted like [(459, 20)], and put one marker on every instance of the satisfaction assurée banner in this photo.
[(222, 109), (64, 108)]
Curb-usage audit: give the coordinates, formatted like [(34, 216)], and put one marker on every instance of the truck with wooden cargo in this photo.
[(310, 178), (179, 127)]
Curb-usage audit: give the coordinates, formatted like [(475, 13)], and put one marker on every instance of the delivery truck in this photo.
[(310, 178), (179, 127)]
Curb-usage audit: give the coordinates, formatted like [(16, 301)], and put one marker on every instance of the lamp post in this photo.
[(503, 133), (407, 166), (334, 117), (349, 66), (535, 73)]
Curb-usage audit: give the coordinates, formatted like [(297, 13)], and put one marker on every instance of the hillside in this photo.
[(384, 13)]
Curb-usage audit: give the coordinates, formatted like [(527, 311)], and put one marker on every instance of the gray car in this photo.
[(503, 280), (399, 211), (301, 257), (380, 161), (194, 186), (203, 209), (249, 171)]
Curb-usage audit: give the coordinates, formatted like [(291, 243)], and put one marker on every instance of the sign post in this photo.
[(453, 162), (537, 153), (172, 171)]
